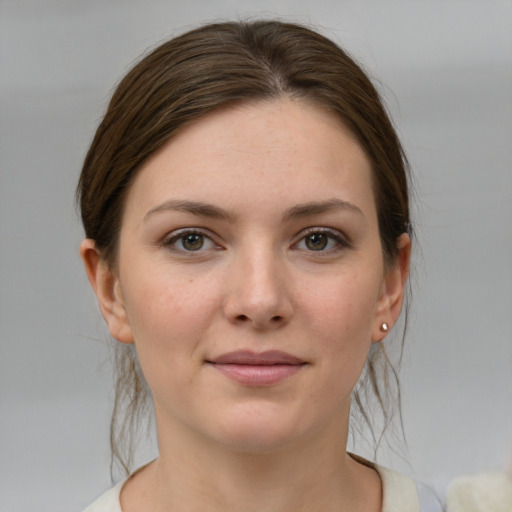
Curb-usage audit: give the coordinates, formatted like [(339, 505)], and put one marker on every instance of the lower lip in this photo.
[(256, 375)]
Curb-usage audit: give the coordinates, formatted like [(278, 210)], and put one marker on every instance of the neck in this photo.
[(305, 476)]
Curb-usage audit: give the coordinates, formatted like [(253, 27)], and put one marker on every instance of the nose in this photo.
[(258, 291)]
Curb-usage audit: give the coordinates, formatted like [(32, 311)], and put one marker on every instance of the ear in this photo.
[(392, 293), (107, 288)]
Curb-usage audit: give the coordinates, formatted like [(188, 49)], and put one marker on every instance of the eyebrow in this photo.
[(209, 210), (319, 207), (194, 207)]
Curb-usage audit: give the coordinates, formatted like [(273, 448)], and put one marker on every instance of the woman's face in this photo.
[(251, 276)]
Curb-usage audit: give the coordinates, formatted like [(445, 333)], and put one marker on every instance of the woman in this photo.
[(245, 204)]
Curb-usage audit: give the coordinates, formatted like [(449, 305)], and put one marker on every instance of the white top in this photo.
[(399, 494), (487, 492)]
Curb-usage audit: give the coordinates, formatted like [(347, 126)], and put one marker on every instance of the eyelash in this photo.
[(340, 240), (174, 237)]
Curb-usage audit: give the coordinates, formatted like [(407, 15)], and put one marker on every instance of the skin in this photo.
[(256, 284)]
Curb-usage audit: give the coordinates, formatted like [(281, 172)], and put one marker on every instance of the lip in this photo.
[(257, 369)]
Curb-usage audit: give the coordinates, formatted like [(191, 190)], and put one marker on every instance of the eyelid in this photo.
[(170, 238), (342, 240)]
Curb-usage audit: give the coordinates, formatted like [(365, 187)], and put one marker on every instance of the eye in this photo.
[(322, 240), (190, 241)]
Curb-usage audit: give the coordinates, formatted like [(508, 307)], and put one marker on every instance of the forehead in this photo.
[(283, 151)]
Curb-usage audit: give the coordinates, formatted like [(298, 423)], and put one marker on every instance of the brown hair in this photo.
[(210, 68)]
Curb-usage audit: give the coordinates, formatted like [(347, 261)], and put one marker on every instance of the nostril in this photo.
[(276, 318), (243, 318)]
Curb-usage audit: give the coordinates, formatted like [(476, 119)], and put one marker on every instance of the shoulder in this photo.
[(108, 501), (487, 492), (399, 492)]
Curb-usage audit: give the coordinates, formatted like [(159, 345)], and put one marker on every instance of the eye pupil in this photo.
[(193, 242), (316, 241)]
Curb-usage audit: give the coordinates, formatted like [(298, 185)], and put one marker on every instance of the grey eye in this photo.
[(322, 240), (316, 241), (192, 242)]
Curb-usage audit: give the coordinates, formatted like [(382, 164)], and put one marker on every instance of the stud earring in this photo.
[(384, 327)]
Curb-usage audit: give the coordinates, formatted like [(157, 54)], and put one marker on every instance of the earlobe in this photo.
[(393, 290), (107, 288)]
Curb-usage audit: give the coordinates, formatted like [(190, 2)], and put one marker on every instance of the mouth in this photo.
[(257, 369)]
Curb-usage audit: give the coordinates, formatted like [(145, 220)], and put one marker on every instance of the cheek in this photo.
[(169, 319), (344, 307), (341, 317), (169, 315)]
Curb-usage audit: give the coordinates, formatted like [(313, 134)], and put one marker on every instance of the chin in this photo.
[(257, 432)]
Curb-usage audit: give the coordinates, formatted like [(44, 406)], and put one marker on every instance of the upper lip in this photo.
[(250, 358)]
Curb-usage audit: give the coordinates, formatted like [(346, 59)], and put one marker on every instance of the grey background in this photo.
[(447, 70)]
